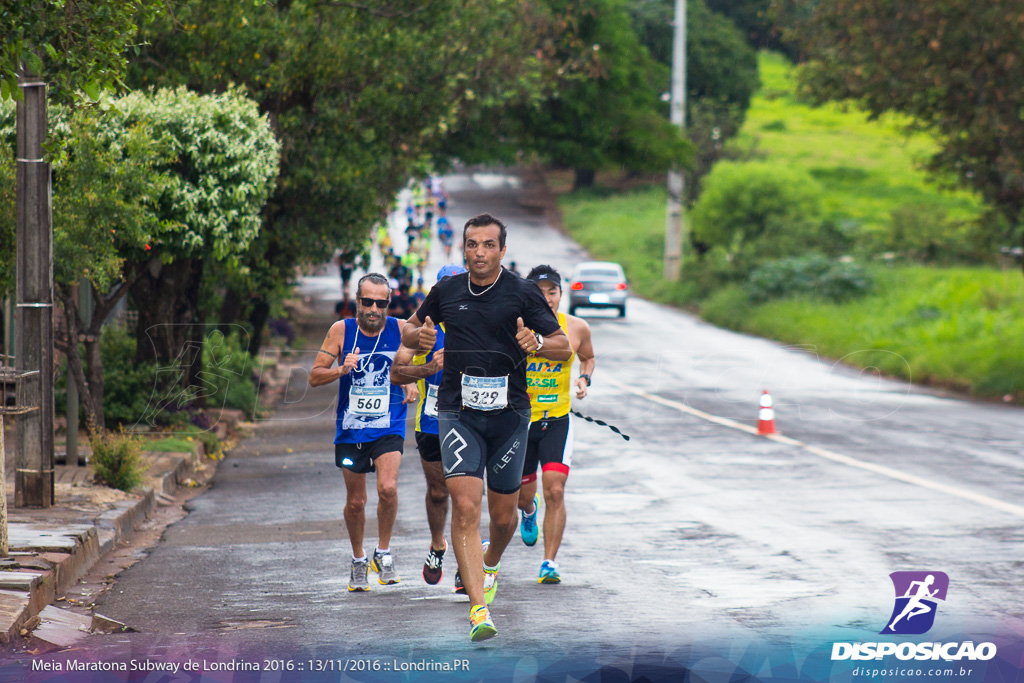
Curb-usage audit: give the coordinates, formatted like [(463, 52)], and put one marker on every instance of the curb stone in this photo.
[(27, 587)]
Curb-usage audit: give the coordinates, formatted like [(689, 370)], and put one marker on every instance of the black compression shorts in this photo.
[(473, 442), (550, 446), (429, 446), (359, 457)]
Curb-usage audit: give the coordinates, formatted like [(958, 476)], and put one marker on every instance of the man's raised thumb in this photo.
[(519, 323), (356, 350), (428, 322)]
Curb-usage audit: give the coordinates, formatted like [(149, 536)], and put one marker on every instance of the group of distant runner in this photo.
[(405, 271), (487, 360)]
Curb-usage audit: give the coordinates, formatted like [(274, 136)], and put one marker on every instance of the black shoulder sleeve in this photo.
[(431, 306), (537, 314)]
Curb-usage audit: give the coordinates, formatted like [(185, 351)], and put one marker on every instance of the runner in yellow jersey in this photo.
[(549, 384)]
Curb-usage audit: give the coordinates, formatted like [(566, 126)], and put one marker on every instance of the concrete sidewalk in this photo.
[(51, 548)]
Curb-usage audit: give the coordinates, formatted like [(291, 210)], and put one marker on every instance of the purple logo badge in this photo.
[(917, 594)]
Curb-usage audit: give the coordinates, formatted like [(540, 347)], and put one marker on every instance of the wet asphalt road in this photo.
[(692, 534)]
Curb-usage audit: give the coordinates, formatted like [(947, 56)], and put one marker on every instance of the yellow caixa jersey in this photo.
[(548, 383)]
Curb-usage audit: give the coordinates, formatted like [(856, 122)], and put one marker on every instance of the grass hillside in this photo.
[(867, 168), (958, 327)]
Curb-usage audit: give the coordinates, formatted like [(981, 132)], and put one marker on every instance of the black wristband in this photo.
[(586, 377)]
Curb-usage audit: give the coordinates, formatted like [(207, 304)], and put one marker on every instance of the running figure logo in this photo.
[(917, 594)]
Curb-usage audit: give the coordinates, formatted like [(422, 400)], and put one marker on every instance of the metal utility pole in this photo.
[(34, 476), (674, 216)]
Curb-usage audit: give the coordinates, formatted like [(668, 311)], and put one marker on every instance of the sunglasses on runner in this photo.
[(367, 302)]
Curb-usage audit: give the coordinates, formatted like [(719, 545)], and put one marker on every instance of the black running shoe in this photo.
[(432, 572), (459, 588)]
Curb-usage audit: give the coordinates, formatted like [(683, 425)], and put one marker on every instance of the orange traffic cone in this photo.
[(766, 415)]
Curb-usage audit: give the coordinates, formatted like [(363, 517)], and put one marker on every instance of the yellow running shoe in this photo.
[(490, 583), (480, 625)]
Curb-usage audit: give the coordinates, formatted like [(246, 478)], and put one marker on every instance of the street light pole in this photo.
[(676, 183)]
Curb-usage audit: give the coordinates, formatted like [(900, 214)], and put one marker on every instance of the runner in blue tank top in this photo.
[(370, 432)]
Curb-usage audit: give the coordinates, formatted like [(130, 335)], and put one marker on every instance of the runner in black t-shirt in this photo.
[(492, 320)]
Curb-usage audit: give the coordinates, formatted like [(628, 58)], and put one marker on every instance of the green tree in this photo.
[(75, 46), (721, 75), (8, 209), (148, 190), (221, 167), (105, 189), (757, 210), (953, 66), (756, 20), (719, 63), (607, 111), (360, 95)]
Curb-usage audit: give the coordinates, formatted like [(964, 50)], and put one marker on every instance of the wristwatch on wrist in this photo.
[(586, 377), (540, 342)]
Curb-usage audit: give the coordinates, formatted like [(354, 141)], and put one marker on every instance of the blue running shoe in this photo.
[(528, 527), (549, 573)]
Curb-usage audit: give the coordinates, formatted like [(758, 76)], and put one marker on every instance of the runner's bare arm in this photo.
[(330, 350), (410, 331), (404, 371), (581, 331), (418, 334), (322, 372)]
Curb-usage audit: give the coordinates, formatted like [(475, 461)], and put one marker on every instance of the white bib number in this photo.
[(430, 405), (484, 393), (369, 401)]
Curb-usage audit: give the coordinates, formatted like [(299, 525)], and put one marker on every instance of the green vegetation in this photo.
[(117, 459), (184, 438), (953, 327), (152, 192), (227, 369), (867, 169), (361, 95), (171, 444), (810, 275), (758, 209), (950, 65), (145, 392), (721, 74), (958, 327), (128, 387), (78, 49), (628, 228)]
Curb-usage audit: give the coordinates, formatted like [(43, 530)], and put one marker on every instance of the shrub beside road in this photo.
[(912, 288)]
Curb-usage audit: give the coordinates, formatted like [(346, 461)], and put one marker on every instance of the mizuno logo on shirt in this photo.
[(463, 307)]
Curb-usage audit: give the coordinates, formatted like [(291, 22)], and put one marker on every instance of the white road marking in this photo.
[(890, 472)]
